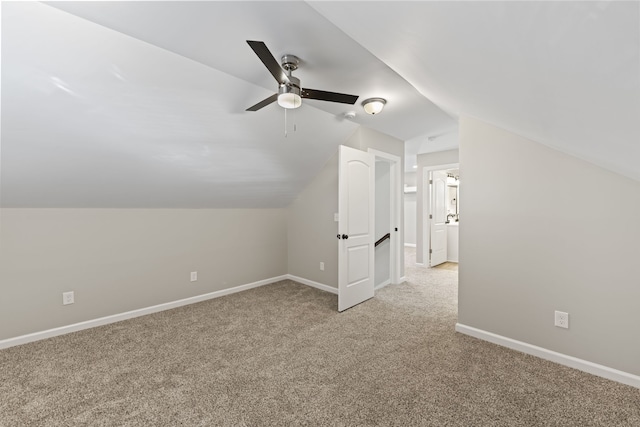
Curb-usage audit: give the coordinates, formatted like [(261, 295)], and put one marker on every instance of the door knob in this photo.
[(344, 236)]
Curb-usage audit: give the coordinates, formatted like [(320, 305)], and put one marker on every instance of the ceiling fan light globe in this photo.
[(289, 100)]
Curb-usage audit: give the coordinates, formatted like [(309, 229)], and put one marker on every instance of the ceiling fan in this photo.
[(290, 93)]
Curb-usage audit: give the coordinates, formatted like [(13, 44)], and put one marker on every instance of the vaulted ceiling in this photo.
[(142, 104)]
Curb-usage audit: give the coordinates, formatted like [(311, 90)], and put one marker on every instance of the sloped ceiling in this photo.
[(565, 74), (141, 104)]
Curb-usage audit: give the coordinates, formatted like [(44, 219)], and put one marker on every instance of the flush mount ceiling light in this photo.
[(373, 105)]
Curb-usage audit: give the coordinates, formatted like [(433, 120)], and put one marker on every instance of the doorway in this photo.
[(440, 214), (389, 254), (382, 256), (357, 224)]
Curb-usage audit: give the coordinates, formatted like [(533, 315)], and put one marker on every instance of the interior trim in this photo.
[(67, 329), (382, 285), (313, 284), (543, 353)]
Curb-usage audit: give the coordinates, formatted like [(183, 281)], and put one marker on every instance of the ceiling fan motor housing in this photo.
[(292, 87), (290, 62)]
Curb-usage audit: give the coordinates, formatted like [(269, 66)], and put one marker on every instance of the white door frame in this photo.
[(426, 207), (395, 175)]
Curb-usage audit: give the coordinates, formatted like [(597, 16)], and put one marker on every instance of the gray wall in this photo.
[(311, 228), (364, 138), (410, 208), (410, 224), (544, 231), (117, 260), (427, 160)]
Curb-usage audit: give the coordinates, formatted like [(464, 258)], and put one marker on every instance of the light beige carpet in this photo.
[(281, 355)]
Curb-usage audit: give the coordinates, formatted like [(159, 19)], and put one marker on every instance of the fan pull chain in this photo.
[(295, 126)]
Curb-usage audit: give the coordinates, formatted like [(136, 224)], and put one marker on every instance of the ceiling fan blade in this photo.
[(263, 103), (269, 61), (323, 95)]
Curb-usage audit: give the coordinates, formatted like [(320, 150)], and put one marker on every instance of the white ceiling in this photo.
[(563, 73), (141, 104)]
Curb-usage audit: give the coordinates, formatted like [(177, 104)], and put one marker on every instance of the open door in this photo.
[(438, 248), (355, 227)]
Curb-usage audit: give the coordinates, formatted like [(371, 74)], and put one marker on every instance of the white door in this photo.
[(438, 248), (356, 227)]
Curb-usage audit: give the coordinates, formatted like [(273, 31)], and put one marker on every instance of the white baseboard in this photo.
[(410, 245), (543, 353), (313, 284), (36, 336), (383, 284), (331, 289), (403, 279)]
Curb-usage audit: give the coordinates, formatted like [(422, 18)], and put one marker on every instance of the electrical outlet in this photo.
[(194, 276), (67, 298), (322, 266), (562, 319)]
